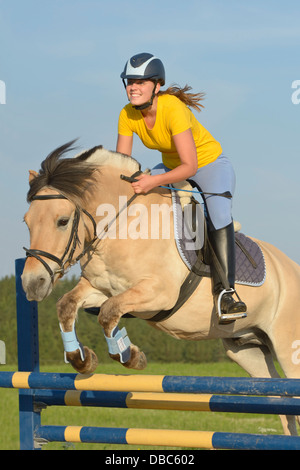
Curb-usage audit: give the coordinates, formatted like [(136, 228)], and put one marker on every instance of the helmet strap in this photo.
[(149, 103)]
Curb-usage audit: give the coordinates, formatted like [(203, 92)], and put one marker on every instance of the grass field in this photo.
[(112, 417)]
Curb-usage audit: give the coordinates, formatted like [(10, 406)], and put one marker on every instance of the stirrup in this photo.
[(225, 318)]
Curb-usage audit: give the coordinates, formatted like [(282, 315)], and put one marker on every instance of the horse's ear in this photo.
[(32, 174)]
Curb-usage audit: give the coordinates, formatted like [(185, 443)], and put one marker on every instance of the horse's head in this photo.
[(55, 220), (55, 232), (61, 229)]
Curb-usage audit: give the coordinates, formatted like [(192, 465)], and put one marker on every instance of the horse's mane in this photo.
[(73, 176)]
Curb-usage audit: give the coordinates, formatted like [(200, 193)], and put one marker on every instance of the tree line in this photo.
[(157, 346)]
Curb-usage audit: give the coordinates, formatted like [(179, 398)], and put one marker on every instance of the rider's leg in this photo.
[(218, 177), (223, 244)]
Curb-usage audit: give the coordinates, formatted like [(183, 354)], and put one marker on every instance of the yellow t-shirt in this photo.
[(172, 118)]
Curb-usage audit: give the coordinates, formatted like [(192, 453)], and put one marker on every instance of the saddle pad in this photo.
[(247, 272)]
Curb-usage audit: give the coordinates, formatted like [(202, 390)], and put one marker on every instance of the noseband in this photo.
[(71, 245)]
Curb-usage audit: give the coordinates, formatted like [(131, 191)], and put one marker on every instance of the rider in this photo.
[(163, 121)]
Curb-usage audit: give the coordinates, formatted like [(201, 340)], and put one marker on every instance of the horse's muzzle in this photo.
[(36, 280)]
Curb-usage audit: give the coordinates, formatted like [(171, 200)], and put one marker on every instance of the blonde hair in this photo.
[(190, 99)]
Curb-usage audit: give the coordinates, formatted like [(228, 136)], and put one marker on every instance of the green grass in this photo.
[(112, 417)]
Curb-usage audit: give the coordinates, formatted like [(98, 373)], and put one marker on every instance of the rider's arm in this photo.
[(124, 144)]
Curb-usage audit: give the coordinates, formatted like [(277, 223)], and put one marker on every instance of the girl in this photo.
[(164, 122)]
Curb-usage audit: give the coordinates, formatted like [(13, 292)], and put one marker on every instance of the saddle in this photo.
[(190, 228)]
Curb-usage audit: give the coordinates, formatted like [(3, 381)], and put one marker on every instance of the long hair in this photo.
[(192, 100)]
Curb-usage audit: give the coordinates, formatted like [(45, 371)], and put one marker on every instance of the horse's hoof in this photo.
[(83, 367), (142, 362), (137, 360)]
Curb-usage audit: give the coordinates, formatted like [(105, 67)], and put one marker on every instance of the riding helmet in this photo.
[(144, 66)]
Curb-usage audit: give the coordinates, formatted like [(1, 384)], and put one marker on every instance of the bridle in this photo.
[(73, 242), (73, 239)]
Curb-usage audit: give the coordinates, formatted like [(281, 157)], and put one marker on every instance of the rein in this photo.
[(226, 194), (132, 179), (71, 245)]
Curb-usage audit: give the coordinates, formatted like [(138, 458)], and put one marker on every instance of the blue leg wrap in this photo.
[(119, 343), (71, 342)]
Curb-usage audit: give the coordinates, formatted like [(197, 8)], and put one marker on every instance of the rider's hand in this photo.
[(144, 184)]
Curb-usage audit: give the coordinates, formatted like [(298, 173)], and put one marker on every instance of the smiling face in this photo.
[(140, 92)]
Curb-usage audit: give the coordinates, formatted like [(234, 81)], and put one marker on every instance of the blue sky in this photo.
[(61, 62)]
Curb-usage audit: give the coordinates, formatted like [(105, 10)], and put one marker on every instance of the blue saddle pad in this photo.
[(250, 262)]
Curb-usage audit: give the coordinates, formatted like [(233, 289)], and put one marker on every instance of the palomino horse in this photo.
[(129, 272)]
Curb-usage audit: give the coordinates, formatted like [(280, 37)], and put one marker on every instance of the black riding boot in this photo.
[(223, 244)]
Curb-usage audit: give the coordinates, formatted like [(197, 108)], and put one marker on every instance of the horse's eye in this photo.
[(63, 222)]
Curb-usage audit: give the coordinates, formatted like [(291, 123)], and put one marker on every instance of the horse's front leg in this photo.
[(83, 359), (145, 297)]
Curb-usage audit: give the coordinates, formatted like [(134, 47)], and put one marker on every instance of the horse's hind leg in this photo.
[(258, 362), (287, 346)]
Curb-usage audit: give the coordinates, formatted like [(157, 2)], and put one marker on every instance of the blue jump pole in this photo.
[(28, 358), (151, 383), (174, 438)]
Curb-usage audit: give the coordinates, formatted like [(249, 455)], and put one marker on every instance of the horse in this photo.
[(81, 210)]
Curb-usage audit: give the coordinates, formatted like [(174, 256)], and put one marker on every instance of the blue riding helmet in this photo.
[(144, 66)]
